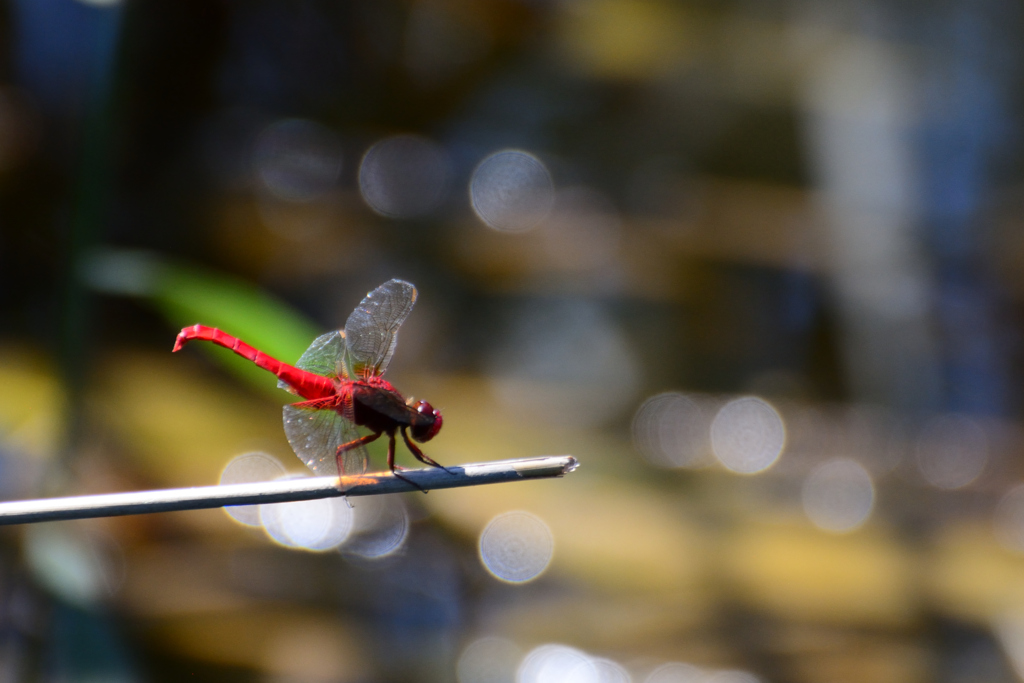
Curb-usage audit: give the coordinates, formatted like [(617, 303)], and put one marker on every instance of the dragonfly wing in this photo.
[(315, 434), (371, 332), (325, 356)]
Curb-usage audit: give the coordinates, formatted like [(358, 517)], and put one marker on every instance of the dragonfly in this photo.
[(340, 378)]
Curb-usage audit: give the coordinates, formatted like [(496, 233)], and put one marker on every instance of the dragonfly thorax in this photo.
[(377, 383)]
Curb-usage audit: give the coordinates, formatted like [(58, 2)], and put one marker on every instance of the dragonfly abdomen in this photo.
[(307, 384)]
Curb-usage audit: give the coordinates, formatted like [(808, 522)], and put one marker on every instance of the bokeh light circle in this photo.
[(838, 495), (1008, 520), (511, 191), (249, 468), (516, 546), (298, 160), (81, 565), (296, 524), (951, 451), (556, 361), (747, 435), (671, 430), (676, 672), (380, 526), (317, 525), (609, 671), (488, 660), (553, 663), (404, 176)]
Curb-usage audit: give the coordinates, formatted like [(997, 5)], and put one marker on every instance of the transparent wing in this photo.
[(325, 356), (315, 436), (371, 332)]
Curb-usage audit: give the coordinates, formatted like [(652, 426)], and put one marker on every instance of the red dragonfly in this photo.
[(340, 378)]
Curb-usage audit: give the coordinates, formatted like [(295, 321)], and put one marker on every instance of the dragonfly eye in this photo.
[(427, 429)]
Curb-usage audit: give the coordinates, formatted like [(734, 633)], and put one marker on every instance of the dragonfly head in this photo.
[(427, 429)]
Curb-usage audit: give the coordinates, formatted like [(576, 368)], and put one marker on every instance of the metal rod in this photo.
[(281, 491)]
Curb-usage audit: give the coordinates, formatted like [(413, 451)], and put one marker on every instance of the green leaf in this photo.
[(188, 295)]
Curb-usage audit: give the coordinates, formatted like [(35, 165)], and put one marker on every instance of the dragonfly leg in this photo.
[(343, 448), (420, 454), (394, 468)]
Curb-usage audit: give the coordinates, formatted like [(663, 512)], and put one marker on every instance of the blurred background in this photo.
[(757, 265)]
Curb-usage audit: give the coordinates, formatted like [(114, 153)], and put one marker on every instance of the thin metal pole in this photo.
[(281, 491)]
